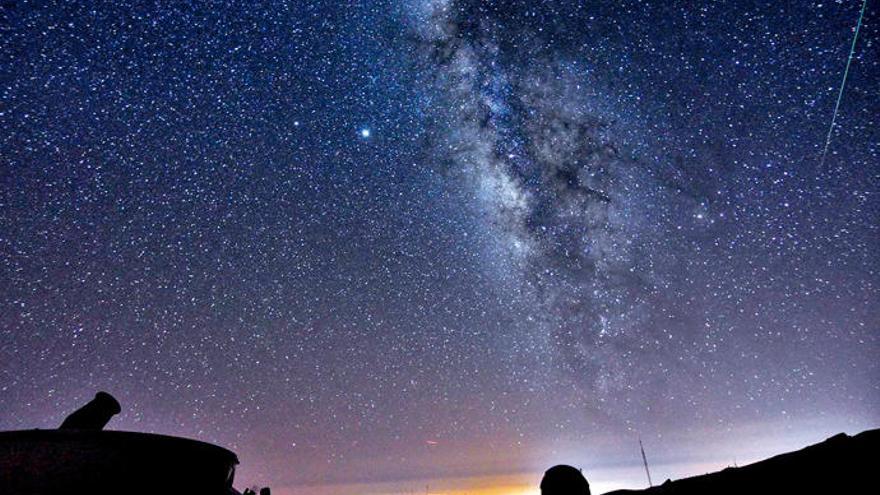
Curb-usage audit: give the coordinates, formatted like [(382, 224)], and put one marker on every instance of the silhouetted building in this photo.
[(80, 457), (564, 480), (93, 416)]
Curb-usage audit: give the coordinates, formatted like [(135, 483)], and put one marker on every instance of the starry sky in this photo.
[(440, 245)]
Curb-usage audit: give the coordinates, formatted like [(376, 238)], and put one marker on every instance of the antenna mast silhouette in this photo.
[(645, 461)]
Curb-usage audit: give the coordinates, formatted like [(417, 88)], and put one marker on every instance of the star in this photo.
[(592, 230)]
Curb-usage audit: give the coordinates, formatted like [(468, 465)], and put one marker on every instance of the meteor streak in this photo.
[(842, 85)]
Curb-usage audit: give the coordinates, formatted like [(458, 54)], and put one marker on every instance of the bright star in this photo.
[(365, 133)]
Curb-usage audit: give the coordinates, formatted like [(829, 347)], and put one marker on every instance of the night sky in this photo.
[(390, 246)]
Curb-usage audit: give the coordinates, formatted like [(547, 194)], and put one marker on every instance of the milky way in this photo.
[(579, 218), (386, 244)]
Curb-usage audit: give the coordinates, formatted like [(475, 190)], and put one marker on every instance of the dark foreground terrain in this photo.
[(56, 462), (840, 465)]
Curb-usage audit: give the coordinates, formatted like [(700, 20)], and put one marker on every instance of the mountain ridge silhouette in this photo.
[(839, 464)]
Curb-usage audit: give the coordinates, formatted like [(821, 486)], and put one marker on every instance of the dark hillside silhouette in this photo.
[(840, 464)]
